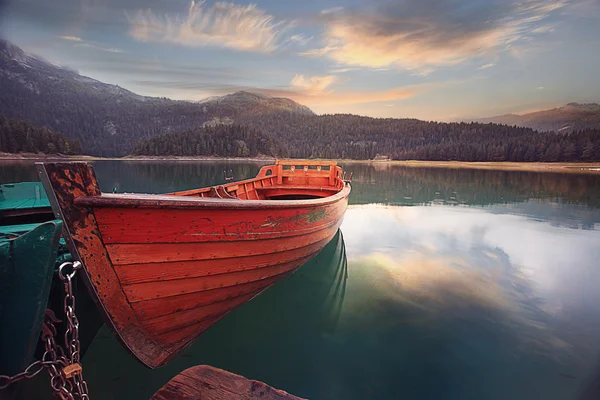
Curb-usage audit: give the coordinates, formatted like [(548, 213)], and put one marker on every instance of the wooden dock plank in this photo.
[(209, 383)]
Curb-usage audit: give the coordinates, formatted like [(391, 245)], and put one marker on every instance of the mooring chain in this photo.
[(65, 370)]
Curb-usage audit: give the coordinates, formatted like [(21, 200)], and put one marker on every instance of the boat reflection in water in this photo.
[(312, 298)]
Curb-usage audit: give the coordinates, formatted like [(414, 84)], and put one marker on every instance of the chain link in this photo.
[(64, 369)]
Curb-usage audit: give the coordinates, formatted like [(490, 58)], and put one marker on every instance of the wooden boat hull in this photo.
[(166, 268)]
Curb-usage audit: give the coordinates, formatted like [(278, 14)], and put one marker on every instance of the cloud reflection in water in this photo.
[(508, 281)]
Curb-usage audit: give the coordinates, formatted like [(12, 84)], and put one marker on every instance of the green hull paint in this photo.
[(24, 195), (27, 264)]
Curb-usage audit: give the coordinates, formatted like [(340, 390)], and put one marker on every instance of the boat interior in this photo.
[(286, 180)]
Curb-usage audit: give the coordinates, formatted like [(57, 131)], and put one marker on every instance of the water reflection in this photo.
[(471, 300), (372, 183), (398, 185)]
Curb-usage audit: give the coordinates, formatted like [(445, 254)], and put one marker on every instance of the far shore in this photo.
[(564, 167), (567, 167)]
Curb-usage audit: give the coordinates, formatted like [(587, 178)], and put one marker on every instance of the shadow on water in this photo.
[(267, 338)]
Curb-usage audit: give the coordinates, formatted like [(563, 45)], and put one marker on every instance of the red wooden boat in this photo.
[(167, 267)]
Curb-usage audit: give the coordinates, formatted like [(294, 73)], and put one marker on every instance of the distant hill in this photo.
[(362, 138), (255, 104), (108, 119), (568, 118)]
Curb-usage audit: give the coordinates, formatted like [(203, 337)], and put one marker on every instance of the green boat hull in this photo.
[(27, 264)]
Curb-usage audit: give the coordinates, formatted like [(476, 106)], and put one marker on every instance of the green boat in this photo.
[(27, 257), (31, 249)]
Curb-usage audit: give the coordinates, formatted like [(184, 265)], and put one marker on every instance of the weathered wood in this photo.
[(156, 307), (209, 383), (167, 267), (66, 182), (120, 225), (162, 271), (133, 253), (174, 287)]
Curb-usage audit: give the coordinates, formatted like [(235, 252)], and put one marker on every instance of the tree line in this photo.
[(20, 137), (356, 137), (219, 141), (363, 138)]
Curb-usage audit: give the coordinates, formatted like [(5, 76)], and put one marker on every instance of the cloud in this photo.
[(71, 38), (426, 34), (486, 66), (79, 42), (223, 24), (94, 46), (305, 90), (341, 70), (317, 90), (314, 85)]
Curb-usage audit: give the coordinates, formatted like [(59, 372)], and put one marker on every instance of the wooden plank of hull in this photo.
[(136, 253), (184, 337), (156, 307), (209, 383), (154, 311), (174, 287), (162, 271), (177, 321), (187, 226)]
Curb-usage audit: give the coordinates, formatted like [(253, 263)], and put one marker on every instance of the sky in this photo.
[(426, 59)]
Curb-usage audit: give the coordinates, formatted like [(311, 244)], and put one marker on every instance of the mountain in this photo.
[(256, 103), (568, 118), (107, 119)]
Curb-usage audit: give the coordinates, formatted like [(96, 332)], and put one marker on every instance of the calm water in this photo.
[(443, 284)]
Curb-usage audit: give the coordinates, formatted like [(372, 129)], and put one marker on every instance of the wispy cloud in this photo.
[(426, 34), (71, 38), (95, 46), (314, 85), (80, 43), (486, 66), (223, 24), (341, 70)]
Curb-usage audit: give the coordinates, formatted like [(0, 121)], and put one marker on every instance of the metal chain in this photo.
[(65, 370)]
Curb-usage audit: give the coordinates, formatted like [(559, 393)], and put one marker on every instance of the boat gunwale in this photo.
[(137, 200)]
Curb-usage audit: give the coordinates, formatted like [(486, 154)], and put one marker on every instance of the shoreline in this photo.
[(564, 167)]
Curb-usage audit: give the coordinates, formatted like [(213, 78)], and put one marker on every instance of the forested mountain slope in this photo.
[(568, 118), (20, 137), (108, 119)]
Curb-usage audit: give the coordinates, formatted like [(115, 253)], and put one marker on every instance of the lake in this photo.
[(443, 284)]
